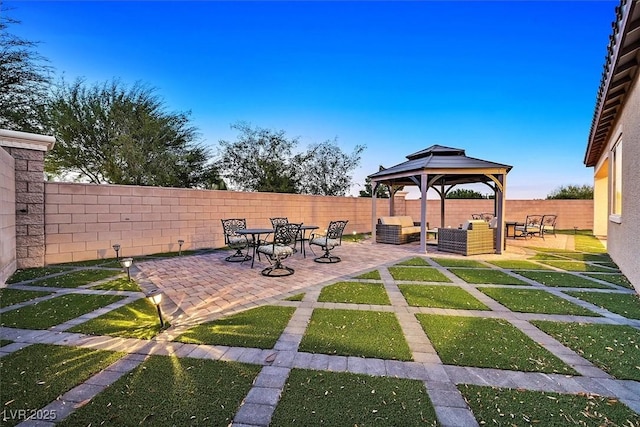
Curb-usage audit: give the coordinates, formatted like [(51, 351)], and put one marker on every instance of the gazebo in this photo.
[(442, 168)]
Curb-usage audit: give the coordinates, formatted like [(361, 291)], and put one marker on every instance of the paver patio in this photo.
[(205, 287)]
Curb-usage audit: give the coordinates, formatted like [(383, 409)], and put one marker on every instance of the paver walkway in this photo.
[(204, 287)]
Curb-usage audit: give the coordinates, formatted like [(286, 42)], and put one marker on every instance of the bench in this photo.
[(397, 230)]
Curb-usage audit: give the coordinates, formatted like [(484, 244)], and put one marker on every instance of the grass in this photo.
[(587, 257), (258, 327), (55, 311), (616, 279), (418, 274), (416, 262), (121, 284), (38, 374), (627, 305), (371, 275), (557, 279), (516, 407), (518, 265), (296, 297), (613, 348), (487, 343), (138, 319), (355, 293), (355, 333), (76, 278), (34, 273), (535, 301), (577, 266), (105, 262), (487, 276), (337, 398), (9, 297), (586, 243), (170, 391), (5, 342), (440, 297), (454, 262)]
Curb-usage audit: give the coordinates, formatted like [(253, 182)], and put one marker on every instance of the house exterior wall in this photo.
[(84, 221), (622, 243), (7, 216), (601, 199)]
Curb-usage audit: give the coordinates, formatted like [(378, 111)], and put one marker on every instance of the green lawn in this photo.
[(616, 279), (456, 262), (296, 297), (9, 297), (577, 266), (418, 274), (557, 279), (76, 278), (488, 343), (5, 342), (487, 276), (371, 275), (440, 296), (121, 284), (627, 305), (518, 265), (588, 243), (38, 374), (535, 301), (34, 273), (138, 319), (346, 399), (515, 407), (55, 311), (171, 391), (613, 348), (416, 262), (587, 257), (355, 333), (257, 327), (355, 293)]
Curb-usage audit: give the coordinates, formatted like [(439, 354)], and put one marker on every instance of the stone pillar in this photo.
[(28, 151)]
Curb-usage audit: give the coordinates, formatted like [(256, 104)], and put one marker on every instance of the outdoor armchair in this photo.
[(234, 240), (279, 221), (548, 225), (282, 246), (328, 241), (532, 226)]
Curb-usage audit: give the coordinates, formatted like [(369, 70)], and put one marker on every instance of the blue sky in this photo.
[(511, 82)]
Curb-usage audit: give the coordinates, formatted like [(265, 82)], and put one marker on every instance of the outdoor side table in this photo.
[(303, 238), (255, 234)]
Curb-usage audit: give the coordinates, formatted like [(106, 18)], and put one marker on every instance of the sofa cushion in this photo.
[(410, 230), (390, 220), (406, 221)]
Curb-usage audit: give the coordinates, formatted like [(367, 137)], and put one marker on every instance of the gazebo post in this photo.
[(392, 205), (374, 188), (442, 197), (423, 212), (500, 208)]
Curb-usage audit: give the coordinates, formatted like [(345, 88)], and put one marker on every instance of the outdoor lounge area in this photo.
[(274, 345)]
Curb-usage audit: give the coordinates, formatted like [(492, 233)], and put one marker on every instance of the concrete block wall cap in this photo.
[(32, 141)]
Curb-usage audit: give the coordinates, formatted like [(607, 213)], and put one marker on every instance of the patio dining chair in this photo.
[(532, 226), (328, 241), (548, 225), (282, 246), (279, 221), (234, 240)]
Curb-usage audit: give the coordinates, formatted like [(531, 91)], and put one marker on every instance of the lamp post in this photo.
[(180, 243), (126, 263), (116, 248), (155, 296)]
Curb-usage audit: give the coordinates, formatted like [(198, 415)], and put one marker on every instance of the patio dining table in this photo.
[(303, 238), (255, 235)]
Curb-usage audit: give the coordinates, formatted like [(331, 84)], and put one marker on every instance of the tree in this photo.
[(264, 160), (108, 133), (326, 169), (572, 192), (463, 193), (382, 192), (24, 80)]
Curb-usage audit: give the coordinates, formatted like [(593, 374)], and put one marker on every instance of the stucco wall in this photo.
[(7, 216), (622, 240), (83, 221)]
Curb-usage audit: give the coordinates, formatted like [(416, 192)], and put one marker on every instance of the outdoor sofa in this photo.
[(397, 230), (474, 238)]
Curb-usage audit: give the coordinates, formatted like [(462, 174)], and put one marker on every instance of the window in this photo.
[(616, 200)]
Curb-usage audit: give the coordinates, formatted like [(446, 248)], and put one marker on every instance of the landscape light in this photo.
[(155, 296), (116, 248), (126, 263), (180, 243)]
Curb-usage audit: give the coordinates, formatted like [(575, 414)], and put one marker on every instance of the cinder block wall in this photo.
[(7, 216), (83, 221)]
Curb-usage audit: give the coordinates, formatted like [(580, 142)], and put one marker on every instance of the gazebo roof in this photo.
[(455, 166)]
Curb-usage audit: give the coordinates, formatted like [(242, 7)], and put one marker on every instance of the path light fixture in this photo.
[(116, 248), (180, 243), (126, 263), (155, 296)]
